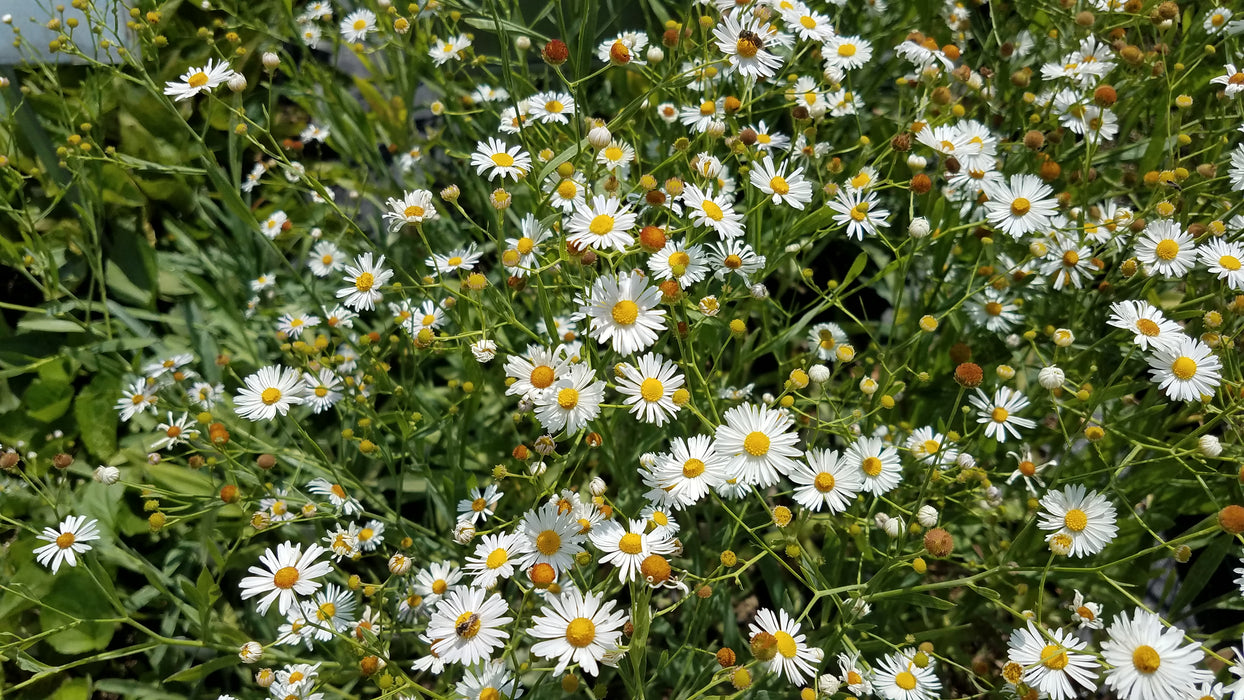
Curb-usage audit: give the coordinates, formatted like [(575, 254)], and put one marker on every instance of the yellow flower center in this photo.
[(542, 376), (1229, 262), (993, 308), (778, 185), (568, 398), (1183, 367), (824, 482), (859, 212), (601, 224), (454, 261), (414, 211), (1217, 19), (439, 586), (580, 632), (197, 80), (854, 678), (1167, 249), (173, 431), (931, 446), (525, 245), (270, 396), (321, 392), (1053, 657), (756, 443), (497, 558), (1086, 613), (479, 504), (733, 262), (567, 189), (860, 180), (364, 282), (905, 680), (764, 139), (1147, 327), (548, 542), (631, 543), (136, 399), (285, 577), (680, 258), (554, 106), (1146, 659), (1071, 258), (613, 153), (1237, 79), (846, 50), (359, 24), (1027, 468), (999, 415), (467, 625), (366, 534), (871, 466), (326, 611), (1075, 520), (651, 390), (660, 518), (692, 468), (712, 211), (786, 645), (807, 22), (489, 693), (503, 160), (625, 312), (65, 540), (1020, 206)]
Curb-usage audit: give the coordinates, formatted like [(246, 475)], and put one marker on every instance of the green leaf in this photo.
[(71, 607), (856, 268), (97, 422), (48, 324), (1195, 579), (73, 689), (46, 401), (198, 673), (923, 600)]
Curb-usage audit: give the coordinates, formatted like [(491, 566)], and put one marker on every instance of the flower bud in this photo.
[(399, 564), (918, 228), (251, 652), (237, 83), (271, 60), (598, 486), (927, 516), (1051, 377), (599, 137), (464, 532), (109, 475), (655, 54), (1209, 445)]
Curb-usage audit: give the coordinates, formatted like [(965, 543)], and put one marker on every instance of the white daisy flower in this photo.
[(998, 415), (323, 389), (825, 338), (795, 660), (489, 681), (621, 310), (175, 432), (1087, 614), (536, 372), (493, 157), (205, 394), (859, 213), (826, 480), (1052, 664), (627, 547), (734, 256), (759, 443), (1215, 20), (365, 278), (929, 446), (808, 25), (547, 536), (1147, 660), (415, 207), (846, 53), (1067, 264), (1149, 325), (493, 559), (467, 627), (689, 470), (768, 140), (680, 262), (1186, 370), (1028, 470), (994, 311), (877, 462), (325, 259), (571, 402), (565, 193), (854, 677), (615, 155), (434, 581), (699, 117), (357, 25), (897, 677), (293, 325), (551, 107), (1020, 208), (329, 613), (480, 505), (649, 388), (450, 49), (336, 495), (1087, 518), (284, 576), (371, 536), (1167, 248), (138, 397), (604, 224), (1232, 80), (66, 542), (269, 391), (197, 80), (746, 40), (790, 189), (576, 628), (627, 47), (1223, 258), (713, 211), (456, 259)]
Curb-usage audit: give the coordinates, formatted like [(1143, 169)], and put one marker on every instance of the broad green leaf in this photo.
[(198, 673), (97, 421), (46, 401)]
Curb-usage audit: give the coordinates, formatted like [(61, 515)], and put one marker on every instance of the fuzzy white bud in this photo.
[(918, 228), (894, 527), (965, 460), (655, 54), (598, 486), (818, 373), (759, 291), (716, 129), (271, 60), (1063, 337), (599, 137), (464, 532), (926, 516), (1050, 378), (522, 43), (1209, 445), (828, 684), (251, 652), (869, 386), (916, 162), (237, 83), (264, 677), (107, 475)]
